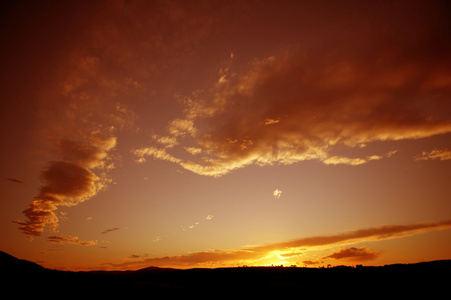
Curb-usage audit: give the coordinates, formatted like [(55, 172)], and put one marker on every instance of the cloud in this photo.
[(15, 180), (355, 254), (78, 118), (277, 193), (193, 150), (269, 121), (444, 154), (161, 154), (77, 128), (109, 230), (391, 153), (192, 226), (310, 263), (296, 106), (264, 254), (74, 240), (90, 153), (204, 258), (369, 234), (67, 182), (80, 105), (181, 127), (167, 141), (338, 160)]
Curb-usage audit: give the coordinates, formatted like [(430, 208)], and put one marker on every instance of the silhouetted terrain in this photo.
[(429, 278)]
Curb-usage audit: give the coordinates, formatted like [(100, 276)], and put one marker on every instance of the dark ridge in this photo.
[(10, 264), (398, 280)]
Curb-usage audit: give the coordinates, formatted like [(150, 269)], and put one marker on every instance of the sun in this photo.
[(274, 259)]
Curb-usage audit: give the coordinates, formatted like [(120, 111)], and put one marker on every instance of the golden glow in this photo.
[(180, 135)]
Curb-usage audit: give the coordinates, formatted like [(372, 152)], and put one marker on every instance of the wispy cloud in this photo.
[(70, 240), (257, 255), (339, 160), (156, 153), (444, 154), (182, 127)]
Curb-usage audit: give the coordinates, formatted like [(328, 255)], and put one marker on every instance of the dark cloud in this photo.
[(215, 257), (109, 230), (15, 180), (355, 254), (368, 234)]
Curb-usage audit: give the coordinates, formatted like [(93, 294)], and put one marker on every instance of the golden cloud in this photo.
[(444, 154), (70, 240), (293, 107)]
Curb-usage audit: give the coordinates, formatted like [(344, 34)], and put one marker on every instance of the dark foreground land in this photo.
[(431, 279)]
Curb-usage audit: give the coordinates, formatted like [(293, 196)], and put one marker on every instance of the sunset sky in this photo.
[(225, 133)]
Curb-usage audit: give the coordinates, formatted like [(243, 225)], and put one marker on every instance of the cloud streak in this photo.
[(110, 230), (354, 254), (264, 254), (444, 154), (74, 240), (15, 180), (369, 234)]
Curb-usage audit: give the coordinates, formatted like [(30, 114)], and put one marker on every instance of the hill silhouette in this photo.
[(427, 278), (11, 264)]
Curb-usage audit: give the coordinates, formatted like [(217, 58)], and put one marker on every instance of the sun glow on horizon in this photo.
[(173, 134)]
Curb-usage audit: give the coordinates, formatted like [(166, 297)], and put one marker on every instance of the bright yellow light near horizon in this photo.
[(274, 258)]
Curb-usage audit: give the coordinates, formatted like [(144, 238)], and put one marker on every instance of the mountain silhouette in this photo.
[(427, 278)]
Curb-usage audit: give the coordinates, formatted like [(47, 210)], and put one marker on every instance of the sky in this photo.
[(225, 133)]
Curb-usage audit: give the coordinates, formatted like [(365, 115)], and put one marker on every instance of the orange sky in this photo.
[(207, 134)]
